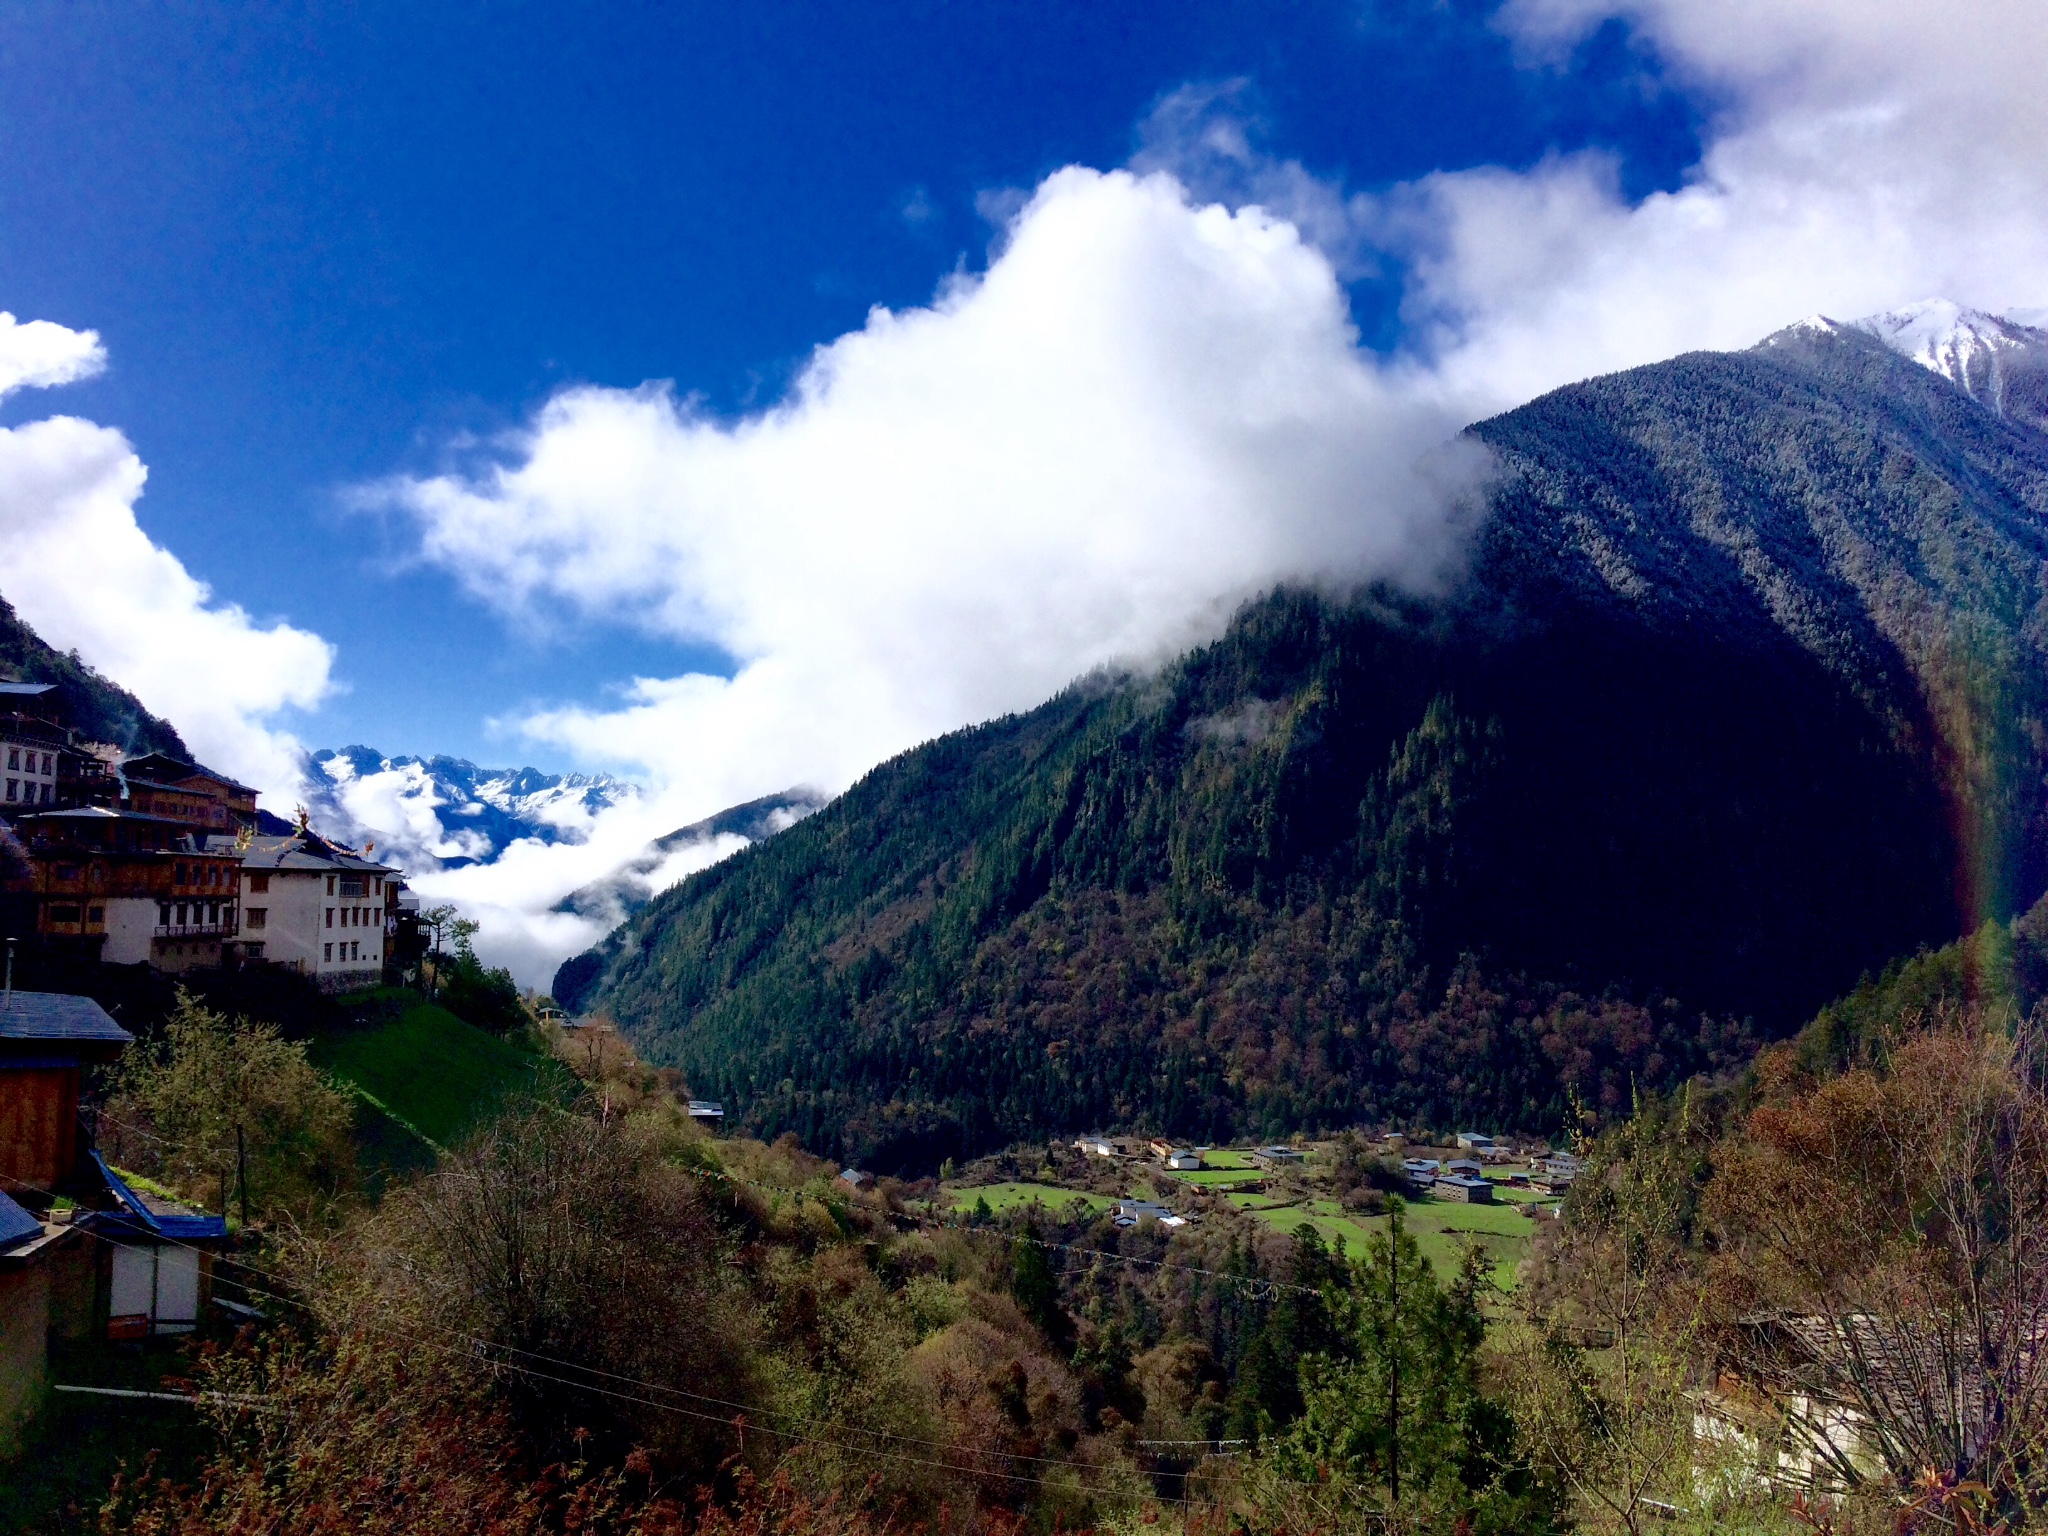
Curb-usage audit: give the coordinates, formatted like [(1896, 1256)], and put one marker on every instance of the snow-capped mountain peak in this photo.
[(2000, 361), (444, 812), (1965, 346)]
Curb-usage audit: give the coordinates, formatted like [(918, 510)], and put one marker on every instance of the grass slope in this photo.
[(430, 1072), (1015, 1196)]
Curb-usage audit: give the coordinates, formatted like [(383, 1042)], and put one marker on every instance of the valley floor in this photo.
[(1305, 1194)]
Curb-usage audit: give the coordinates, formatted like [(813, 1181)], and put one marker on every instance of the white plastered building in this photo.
[(317, 907)]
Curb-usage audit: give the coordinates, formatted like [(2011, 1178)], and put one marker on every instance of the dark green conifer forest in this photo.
[(1740, 693)]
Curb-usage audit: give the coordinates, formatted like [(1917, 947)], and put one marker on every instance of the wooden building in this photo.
[(128, 888), (47, 1039)]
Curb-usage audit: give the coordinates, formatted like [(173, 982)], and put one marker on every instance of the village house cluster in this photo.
[(150, 860)]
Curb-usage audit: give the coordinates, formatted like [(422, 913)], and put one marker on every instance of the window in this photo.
[(64, 914), (259, 917), (182, 876), (14, 757), (95, 914), (354, 886), (259, 884), (182, 912), (326, 951), (49, 763), (14, 789), (48, 789), (330, 885), (163, 914), (330, 917)]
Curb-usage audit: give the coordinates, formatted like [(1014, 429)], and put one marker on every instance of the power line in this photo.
[(476, 1343)]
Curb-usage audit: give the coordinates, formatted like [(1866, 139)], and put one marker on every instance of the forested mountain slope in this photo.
[(1743, 696), (102, 710)]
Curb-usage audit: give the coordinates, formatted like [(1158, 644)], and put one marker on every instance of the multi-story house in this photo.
[(161, 785), (33, 747), (316, 906), (127, 888)]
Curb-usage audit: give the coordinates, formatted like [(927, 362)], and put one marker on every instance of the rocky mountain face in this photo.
[(1743, 696)]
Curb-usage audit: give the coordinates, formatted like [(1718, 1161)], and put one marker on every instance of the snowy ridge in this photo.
[(446, 812), (2000, 361)]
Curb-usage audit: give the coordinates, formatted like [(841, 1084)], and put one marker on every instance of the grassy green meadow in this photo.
[(430, 1072)]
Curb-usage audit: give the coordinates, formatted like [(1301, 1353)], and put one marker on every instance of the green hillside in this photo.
[(430, 1071), (101, 710), (1744, 694)]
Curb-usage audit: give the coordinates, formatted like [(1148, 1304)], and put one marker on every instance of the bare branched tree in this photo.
[(1885, 1240)]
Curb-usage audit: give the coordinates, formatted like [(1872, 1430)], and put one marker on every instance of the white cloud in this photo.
[(43, 353), (1869, 155), (1141, 414), (80, 570)]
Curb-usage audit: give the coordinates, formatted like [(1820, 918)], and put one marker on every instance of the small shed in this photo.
[(707, 1109), (1475, 1141), (1183, 1159), (855, 1178), (1095, 1146), (158, 1264)]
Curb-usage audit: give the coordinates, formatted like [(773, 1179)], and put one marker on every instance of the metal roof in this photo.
[(101, 813), (26, 690), (161, 1218), (57, 1016), (16, 1225)]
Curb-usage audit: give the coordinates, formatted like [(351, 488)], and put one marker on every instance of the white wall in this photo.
[(298, 931), (131, 920)]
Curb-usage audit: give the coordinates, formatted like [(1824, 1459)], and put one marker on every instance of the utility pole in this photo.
[(242, 1172), (1394, 1351)]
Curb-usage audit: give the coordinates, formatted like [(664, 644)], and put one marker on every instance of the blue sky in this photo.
[(320, 245)]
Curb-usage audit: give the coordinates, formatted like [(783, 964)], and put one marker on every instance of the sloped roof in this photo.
[(160, 1218), (26, 690), (57, 1016), (16, 1225), (162, 768), (308, 851)]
